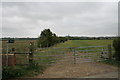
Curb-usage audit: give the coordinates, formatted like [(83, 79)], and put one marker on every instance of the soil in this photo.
[(65, 68)]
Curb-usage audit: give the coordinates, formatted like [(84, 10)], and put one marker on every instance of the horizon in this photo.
[(62, 36)]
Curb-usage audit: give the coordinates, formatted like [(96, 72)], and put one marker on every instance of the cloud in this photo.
[(63, 18)]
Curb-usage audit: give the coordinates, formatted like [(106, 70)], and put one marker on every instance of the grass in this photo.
[(78, 43), (51, 54), (70, 43), (23, 45), (85, 43), (19, 45), (18, 71)]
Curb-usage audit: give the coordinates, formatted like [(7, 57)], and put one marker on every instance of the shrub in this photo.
[(48, 39), (116, 45), (112, 62), (10, 72), (18, 71)]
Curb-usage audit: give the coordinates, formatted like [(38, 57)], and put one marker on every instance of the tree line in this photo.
[(89, 38), (7, 38)]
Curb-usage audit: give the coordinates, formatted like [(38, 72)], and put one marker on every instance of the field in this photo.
[(45, 56), (23, 46), (19, 45), (82, 43)]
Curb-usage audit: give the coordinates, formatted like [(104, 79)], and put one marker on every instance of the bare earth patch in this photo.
[(66, 69)]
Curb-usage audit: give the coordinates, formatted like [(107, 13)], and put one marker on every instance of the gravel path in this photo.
[(106, 75), (66, 69)]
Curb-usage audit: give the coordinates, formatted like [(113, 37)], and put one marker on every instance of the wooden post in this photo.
[(101, 54), (74, 56), (13, 52), (7, 54), (109, 51), (70, 50), (31, 49), (11, 60)]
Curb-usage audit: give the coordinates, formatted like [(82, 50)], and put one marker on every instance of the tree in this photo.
[(46, 38), (116, 45)]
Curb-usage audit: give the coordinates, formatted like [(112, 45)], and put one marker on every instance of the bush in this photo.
[(48, 39), (116, 45), (112, 62), (18, 71), (10, 72)]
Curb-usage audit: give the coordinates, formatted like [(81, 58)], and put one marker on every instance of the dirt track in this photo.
[(69, 70)]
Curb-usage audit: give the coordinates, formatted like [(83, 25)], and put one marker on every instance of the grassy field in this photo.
[(23, 45), (19, 45), (81, 43), (45, 56), (62, 51)]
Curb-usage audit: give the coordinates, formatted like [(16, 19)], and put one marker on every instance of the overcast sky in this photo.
[(28, 19)]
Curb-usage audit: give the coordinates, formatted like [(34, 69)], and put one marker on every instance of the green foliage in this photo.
[(116, 45), (18, 71), (10, 72), (47, 39), (112, 62)]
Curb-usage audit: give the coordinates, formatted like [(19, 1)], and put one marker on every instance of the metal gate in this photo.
[(70, 55), (90, 54)]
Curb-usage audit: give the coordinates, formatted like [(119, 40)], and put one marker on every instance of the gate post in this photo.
[(31, 49), (12, 59), (7, 54), (74, 56)]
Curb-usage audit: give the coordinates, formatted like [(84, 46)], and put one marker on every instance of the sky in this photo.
[(28, 19)]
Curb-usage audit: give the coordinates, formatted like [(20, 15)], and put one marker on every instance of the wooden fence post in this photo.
[(13, 52), (31, 49), (12, 57), (74, 56), (110, 51), (7, 55)]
